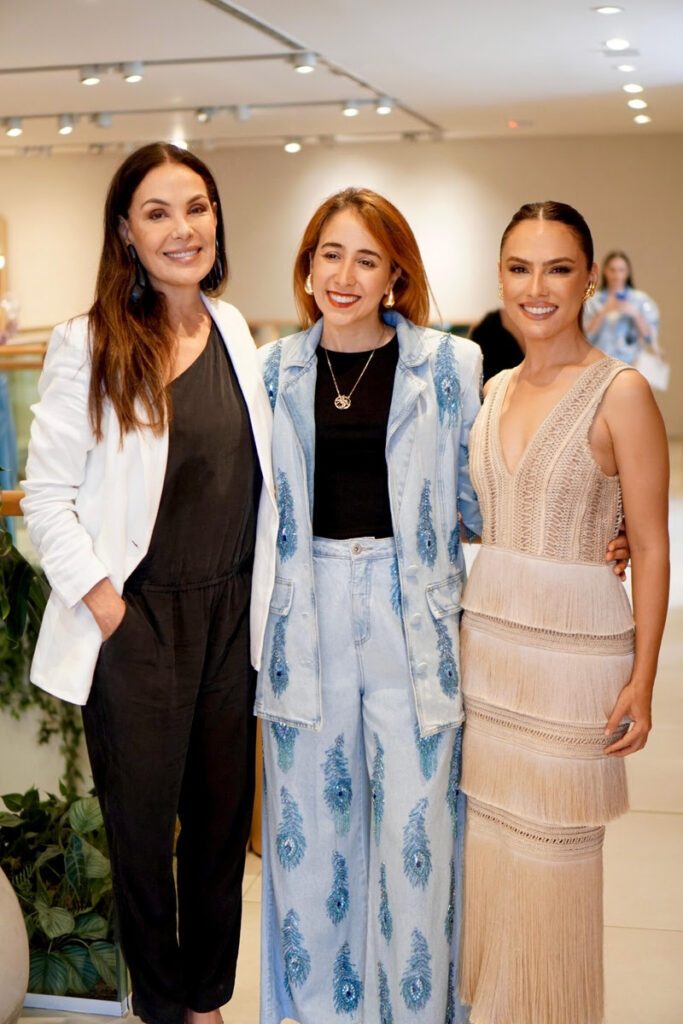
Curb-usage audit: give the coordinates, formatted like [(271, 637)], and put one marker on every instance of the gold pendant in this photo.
[(342, 402)]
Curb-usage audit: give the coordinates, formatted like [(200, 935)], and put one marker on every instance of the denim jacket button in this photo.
[(421, 668), (412, 570), (416, 619)]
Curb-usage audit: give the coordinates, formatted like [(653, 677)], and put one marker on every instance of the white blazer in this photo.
[(90, 507)]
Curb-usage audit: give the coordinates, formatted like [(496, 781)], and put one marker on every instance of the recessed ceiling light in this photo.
[(617, 44), (607, 9), (625, 67), (90, 75), (14, 129), (350, 109), (65, 124), (204, 114), (292, 146), (132, 71), (304, 63), (642, 119), (632, 87), (384, 106), (637, 104)]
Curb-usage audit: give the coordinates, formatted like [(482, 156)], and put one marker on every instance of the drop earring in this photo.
[(500, 290), (141, 280), (589, 292), (308, 285), (389, 300)]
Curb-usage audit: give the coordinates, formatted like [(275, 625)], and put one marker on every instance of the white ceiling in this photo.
[(463, 69)]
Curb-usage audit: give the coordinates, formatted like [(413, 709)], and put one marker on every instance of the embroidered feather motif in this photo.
[(296, 956), (450, 1004), (417, 858), (446, 382), (348, 988), (337, 903), (287, 532), (271, 373), (426, 537), (416, 983), (377, 789), (447, 670), (450, 910), (284, 736), (338, 790), (278, 669), (427, 750), (454, 779), (395, 587), (290, 841), (386, 1015), (454, 544), (386, 922)]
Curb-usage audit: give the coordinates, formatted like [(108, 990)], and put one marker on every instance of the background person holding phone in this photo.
[(619, 319)]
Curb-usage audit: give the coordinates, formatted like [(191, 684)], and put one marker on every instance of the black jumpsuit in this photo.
[(169, 721)]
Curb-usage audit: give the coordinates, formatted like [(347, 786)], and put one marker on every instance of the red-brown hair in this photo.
[(131, 345), (391, 230)]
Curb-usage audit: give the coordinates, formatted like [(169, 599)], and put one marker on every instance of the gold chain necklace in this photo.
[(343, 402)]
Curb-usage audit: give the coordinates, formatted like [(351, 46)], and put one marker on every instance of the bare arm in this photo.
[(641, 453)]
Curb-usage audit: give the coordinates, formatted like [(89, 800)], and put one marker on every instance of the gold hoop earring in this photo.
[(500, 290), (589, 292), (389, 300), (308, 285)]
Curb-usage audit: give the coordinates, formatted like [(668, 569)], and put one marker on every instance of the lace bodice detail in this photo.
[(557, 503)]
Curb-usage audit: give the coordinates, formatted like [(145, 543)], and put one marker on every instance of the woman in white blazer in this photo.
[(149, 445)]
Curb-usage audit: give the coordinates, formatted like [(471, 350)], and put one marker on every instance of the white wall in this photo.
[(458, 197)]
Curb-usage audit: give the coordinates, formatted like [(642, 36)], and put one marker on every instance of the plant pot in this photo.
[(13, 954), (115, 1006)]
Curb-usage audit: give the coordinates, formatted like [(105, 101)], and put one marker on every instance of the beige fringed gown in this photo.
[(547, 645)]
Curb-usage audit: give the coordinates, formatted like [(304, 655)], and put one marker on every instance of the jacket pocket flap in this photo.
[(444, 598), (283, 593)]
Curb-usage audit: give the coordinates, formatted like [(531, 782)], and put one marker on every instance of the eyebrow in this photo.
[(162, 202), (548, 263), (338, 245)]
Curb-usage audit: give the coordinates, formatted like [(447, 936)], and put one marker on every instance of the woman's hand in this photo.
[(633, 702), (619, 552), (106, 607)]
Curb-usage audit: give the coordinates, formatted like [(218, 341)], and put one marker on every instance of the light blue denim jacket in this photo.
[(435, 400)]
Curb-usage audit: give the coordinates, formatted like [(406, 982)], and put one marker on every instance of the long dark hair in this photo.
[(131, 345), (617, 254), (561, 213), (394, 234)]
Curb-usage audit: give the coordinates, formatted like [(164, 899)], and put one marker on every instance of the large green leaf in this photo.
[(48, 973), (49, 853), (85, 815), (98, 887), (13, 801), (9, 820), (104, 958), (54, 921), (90, 926), (83, 976), (74, 865), (96, 864)]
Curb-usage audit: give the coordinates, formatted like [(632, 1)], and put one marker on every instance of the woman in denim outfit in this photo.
[(620, 319), (359, 685)]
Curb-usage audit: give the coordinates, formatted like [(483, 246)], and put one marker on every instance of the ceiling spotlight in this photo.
[(13, 128), (625, 67), (350, 109), (304, 63), (617, 44), (180, 143), (293, 146), (384, 105), (242, 112), (89, 75), (632, 87), (642, 119), (65, 124), (133, 71), (637, 104), (205, 114), (607, 9)]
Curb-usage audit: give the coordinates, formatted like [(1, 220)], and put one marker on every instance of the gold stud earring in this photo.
[(589, 292), (389, 299), (500, 290), (308, 285)]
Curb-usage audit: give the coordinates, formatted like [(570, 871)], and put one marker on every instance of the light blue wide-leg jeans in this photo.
[(363, 824)]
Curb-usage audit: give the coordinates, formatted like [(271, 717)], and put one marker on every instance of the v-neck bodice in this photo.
[(557, 502)]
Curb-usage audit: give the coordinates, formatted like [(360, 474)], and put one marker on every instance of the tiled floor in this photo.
[(643, 858)]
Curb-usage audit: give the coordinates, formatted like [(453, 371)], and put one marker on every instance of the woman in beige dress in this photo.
[(557, 689)]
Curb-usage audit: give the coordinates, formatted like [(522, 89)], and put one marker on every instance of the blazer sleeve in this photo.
[(468, 503), (61, 438)]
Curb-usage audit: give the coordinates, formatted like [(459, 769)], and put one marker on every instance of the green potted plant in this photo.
[(54, 852)]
